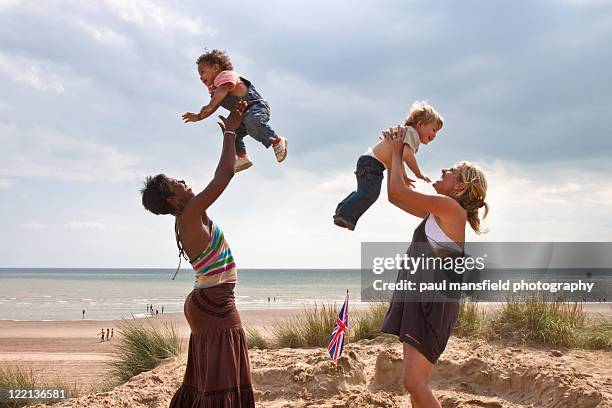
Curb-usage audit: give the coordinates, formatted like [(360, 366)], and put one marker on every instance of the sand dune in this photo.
[(469, 374)]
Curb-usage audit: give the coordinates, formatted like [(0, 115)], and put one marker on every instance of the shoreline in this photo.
[(604, 309)]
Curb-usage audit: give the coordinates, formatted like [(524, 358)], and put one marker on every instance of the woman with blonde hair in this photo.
[(424, 323)]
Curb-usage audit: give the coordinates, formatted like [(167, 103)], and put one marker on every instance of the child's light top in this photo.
[(227, 77), (412, 139)]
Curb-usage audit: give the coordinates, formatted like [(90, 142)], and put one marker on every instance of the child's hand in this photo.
[(424, 178), (408, 181), (191, 117), (234, 119)]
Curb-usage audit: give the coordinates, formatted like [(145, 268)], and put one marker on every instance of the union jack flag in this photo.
[(336, 340)]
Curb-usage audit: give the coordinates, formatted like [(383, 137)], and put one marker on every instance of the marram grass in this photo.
[(557, 324), (141, 347), (20, 377)]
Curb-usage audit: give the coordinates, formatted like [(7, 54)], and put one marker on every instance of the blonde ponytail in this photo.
[(472, 197)]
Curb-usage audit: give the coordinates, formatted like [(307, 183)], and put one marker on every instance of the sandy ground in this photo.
[(72, 350), (470, 373)]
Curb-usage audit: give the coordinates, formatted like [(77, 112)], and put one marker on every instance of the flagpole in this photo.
[(348, 335)]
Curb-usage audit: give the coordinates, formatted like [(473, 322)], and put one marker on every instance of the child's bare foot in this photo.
[(242, 163), (280, 148)]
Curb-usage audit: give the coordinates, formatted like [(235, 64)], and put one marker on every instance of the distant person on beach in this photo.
[(218, 371), (425, 326), (226, 88), (107, 334), (112, 333), (421, 127), (162, 310), (102, 333), (83, 314)]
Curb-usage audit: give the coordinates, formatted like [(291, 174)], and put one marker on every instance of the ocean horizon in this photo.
[(33, 294)]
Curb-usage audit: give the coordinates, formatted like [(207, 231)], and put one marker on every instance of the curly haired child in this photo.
[(227, 88)]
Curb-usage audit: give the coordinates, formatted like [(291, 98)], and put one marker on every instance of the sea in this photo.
[(105, 294)]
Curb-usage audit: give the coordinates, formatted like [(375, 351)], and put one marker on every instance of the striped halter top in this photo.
[(215, 265)]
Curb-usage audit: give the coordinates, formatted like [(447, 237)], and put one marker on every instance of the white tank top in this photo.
[(436, 237)]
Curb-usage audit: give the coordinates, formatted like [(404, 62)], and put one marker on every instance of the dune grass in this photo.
[(313, 327), (141, 346), (20, 377), (551, 323), (596, 336), (256, 339), (472, 320), (367, 324), (536, 319), (13, 377), (557, 324)]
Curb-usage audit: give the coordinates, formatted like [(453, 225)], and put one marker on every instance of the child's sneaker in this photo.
[(343, 222), (280, 148), (242, 163)]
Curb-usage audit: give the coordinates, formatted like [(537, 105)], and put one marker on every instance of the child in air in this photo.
[(227, 88), (422, 123)]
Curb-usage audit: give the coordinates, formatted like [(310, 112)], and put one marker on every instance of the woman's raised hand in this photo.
[(395, 138), (234, 119)]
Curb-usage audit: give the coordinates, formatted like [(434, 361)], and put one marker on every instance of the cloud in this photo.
[(6, 4), (153, 15), (104, 35), (84, 225), (94, 92), (5, 183), (535, 203), (93, 225), (44, 153), (32, 225), (40, 75)]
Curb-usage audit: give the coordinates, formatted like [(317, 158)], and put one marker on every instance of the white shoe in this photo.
[(242, 163), (280, 149)]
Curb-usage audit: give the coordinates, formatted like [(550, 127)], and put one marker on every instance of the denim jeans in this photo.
[(370, 175), (255, 121), (255, 124)]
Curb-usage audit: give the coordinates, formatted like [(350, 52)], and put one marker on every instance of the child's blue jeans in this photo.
[(255, 121), (255, 124), (370, 175)]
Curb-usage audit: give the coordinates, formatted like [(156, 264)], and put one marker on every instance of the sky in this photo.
[(91, 95)]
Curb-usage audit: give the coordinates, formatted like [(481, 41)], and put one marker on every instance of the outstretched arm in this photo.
[(217, 97), (405, 197), (410, 160), (225, 169)]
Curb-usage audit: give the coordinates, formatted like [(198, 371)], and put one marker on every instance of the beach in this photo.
[(72, 349), (470, 372)]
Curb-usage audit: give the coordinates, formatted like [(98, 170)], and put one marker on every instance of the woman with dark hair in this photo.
[(218, 372), (424, 323)]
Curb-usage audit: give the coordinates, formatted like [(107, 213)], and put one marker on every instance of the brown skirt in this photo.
[(218, 372)]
